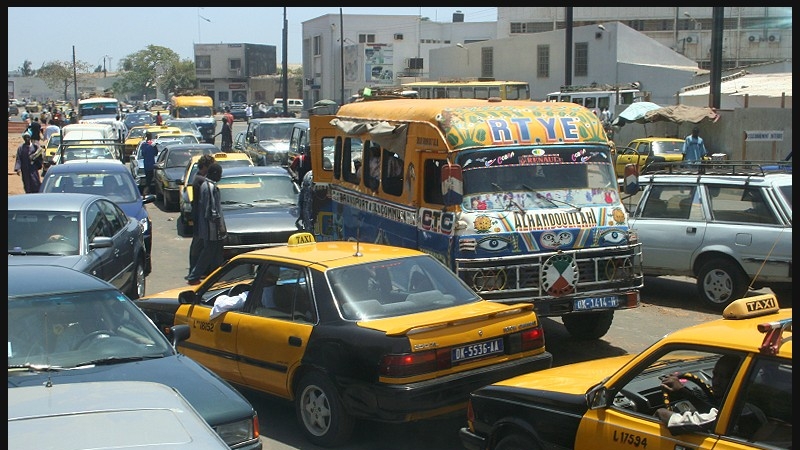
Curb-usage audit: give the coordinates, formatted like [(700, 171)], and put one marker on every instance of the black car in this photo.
[(260, 207), (66, 326), (135, 119), (170, 169), (238, 111), (85, 232)]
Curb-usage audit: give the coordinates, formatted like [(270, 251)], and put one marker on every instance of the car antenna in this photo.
[(358, 242)]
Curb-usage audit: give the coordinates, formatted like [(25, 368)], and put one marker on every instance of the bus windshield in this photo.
[(188, 112), (87, 110), (527, 178)]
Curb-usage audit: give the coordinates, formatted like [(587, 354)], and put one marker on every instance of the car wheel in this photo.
[(719, 282), (587, 326), (138, 282), (321, 412), (516, 442)]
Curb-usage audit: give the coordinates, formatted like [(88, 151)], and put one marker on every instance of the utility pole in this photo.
[(341, 51), (568, 47), (715, 80), (74, 77), (285, 64)]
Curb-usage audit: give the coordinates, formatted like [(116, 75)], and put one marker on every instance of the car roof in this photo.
[(279, 119), (332, 254), (254, 170), (89, 165), (26, 279), (106, 414), (51, 201), (198, 146), (659, 139)]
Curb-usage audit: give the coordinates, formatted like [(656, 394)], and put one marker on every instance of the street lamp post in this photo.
[(697, 24), (199, 40)]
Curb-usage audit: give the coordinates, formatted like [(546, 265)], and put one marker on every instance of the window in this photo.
[(432, 189), (542, 61), (235, 64), (767, 394), (672, 202), (487, 62), (739, 204), (581, 59), (317, 45), (202, 61), (366, 38), (281, 292), (392, 173)]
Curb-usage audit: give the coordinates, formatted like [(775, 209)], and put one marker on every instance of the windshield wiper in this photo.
[(36, 367), (232, 202), (552, 201), (113, 360), (511, 201)]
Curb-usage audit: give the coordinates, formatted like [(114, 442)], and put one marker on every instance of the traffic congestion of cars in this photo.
[(349, 332)]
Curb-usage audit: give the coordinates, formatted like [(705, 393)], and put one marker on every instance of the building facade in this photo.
[(225, 70)]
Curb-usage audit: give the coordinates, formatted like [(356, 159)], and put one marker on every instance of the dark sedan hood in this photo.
[(134, 209), (175, 173), (260, 219), (200, 386), (71, 261)]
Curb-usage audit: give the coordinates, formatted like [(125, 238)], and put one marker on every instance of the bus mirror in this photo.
[(631, 179), (452, 184)]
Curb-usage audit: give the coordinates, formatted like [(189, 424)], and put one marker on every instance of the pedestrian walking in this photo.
[(28, 164), (196, 246), (210, 227), (227, 136), (120, 128), (159, 119), (149, 154), (228, 115), (51, 129), (35, 129), (248, 111), (694, 148)]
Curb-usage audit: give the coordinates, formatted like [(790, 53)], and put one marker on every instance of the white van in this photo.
[(295, 105), (88, 131)]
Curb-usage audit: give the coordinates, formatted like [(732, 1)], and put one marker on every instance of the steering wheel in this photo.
[(707, 390), (238, 289), (94, 335)]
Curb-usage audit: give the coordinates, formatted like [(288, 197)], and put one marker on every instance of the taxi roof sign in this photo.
[(755, 306), (301, 239)]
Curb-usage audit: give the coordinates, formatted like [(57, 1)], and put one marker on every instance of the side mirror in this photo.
[(452, 184)]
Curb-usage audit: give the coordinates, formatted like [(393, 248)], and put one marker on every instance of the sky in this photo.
[(111, 34)]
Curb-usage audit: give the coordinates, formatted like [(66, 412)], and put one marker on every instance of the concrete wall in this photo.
[(727, 134)]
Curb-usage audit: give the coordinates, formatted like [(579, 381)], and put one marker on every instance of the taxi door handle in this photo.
[(226, 327), (691, 230), (295, 341)]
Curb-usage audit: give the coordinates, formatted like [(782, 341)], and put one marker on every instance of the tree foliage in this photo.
[(146, 71), (25, 69), (59, 75), (180, 76)]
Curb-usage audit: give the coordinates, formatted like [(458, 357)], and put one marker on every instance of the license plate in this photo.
[(477, 350), (596, 303)]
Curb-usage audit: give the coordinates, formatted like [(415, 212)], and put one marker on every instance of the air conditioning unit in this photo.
[(753, 37), (692, 39), (398, 36), (774, 37), (413, 63)]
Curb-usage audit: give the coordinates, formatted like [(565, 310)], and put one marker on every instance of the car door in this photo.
[(159, 173), (671, 225), (275, 328), (100, 262), (125, 234)]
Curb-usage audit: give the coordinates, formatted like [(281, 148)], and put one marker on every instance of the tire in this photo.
[(138, 283), (588, 326), (516, 442), (320, 411), (719, 282)]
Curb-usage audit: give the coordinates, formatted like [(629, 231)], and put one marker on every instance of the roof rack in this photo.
[(719, 167)]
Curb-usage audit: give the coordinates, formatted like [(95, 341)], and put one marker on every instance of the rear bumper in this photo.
[(437, 397)]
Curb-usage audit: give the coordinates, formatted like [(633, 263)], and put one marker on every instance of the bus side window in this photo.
[(432, 181), (351, 157), (392, 173)]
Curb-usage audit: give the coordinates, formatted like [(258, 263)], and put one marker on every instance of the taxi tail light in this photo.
[(410, 364), (529, 339)]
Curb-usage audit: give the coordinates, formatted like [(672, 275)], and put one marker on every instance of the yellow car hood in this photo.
[(570, 379)]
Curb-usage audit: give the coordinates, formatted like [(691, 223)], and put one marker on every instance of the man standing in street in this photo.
[(28, 164), (248, 111), (694, 148), (149, 157), (196, 246), (210, 227)]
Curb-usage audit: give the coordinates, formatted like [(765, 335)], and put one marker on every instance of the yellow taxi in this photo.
[(136, 134), (350, 331), (185, 222), (652, 149), (739, 366), (50, 149)]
